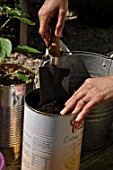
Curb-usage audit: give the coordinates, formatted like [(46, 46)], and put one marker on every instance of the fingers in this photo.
[(74, 103), (82, 108), (43, 29), (44, 26), (92, 92), (76, 96), (44, 33), (47, 11), (84, 111), (68, 107), (60, 23), (81, 104)]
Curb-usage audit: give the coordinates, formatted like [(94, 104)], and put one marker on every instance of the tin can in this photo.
[(50, 141), (11, 116)]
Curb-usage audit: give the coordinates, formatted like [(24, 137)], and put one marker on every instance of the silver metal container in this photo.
[(50, 141), (11, 116), (83, 65), (97, 126)]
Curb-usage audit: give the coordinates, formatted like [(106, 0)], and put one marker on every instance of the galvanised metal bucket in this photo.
[(11, 116), (83, 65), (97, 126), (50, 141)]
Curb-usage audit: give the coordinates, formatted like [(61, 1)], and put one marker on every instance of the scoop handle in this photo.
[(54, 46)]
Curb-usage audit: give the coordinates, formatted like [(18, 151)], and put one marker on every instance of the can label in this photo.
[(17, 95), (51, 142)]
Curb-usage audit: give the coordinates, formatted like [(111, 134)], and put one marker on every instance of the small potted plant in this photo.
[(15, 81)]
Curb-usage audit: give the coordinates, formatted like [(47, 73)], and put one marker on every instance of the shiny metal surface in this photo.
[(11, 114), (83, 65)]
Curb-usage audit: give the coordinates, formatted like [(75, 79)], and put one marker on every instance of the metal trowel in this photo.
[(54, 81)]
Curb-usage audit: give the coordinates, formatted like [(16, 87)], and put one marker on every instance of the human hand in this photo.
[(92, 92), (47, 11)]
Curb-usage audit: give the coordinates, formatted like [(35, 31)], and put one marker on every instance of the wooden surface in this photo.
[(100, 159)]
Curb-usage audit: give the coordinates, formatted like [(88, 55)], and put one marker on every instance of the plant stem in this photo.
[(5, 24)]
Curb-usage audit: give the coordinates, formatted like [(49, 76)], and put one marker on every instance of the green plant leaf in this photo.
[(16, 12), (25, 20), (6, 9), (1, 9), (22, 76), (5, 47), (28, 49)]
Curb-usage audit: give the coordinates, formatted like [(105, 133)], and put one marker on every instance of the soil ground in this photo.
[(78, 37)]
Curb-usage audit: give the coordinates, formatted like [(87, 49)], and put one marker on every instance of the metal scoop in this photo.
[(54, 84), (54, 81)]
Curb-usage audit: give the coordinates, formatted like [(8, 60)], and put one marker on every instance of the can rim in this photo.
[(40, 112), (45, 113)]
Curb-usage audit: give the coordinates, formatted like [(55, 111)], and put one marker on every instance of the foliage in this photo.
[(5, 47), (22, 76), (11, 3), (12, 13), (28, 49), (5, 44), (7, 75)]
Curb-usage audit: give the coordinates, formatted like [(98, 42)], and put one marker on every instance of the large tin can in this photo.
[(50, 141)]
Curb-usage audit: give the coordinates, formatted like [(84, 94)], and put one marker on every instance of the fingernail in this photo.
[(62, 112), (73, 113), (77, 119), (58, 34)]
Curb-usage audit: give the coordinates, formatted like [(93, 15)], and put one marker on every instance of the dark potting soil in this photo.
[(7, 80), (10, 77), (50, 108), (53, 107), (79, 37)]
